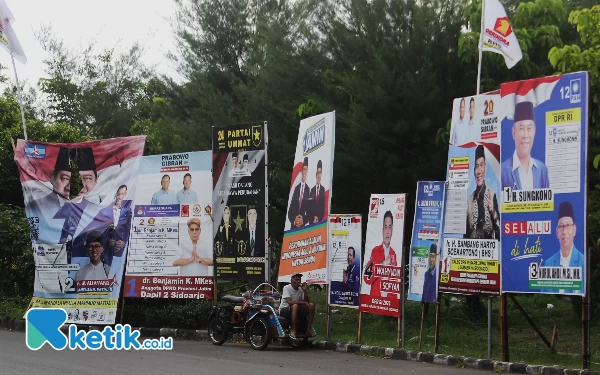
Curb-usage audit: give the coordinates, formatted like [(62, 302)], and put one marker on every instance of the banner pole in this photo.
[(19, 97), (422, 323), (403, 303), (437, 328), (490, 327), (503, 328), (480, 47), (359, 326)]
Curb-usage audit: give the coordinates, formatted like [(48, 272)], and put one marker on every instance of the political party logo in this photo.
[(85, 315), (101, 316), (575, 88), (314, 138), (197, 209), (140, 211), (256, 135), (94, 314), (503, 26), (35, 151), (44, 326), (41, 251), (185, 210), (151, 221), (208, 209), (374, 208)]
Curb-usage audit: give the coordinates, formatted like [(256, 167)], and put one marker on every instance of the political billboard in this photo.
[(171, 243), (79, 227), (304, 247), (239, 199), (424, 245), (544, 184), (381, 289), (470, 246), (345, 253)]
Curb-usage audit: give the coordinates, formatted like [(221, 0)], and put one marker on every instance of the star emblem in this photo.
[(238, 222), (257, 135)]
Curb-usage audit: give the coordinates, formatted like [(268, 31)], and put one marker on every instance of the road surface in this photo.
[(200, 357)]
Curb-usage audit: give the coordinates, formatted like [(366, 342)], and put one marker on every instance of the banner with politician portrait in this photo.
[(78, 205), (240, 245), (426, 235), (470, 246), (381, 288), (544, 184), (344, 253), (304, 247)]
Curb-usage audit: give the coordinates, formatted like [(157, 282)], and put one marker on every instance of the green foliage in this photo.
[(16, 257)]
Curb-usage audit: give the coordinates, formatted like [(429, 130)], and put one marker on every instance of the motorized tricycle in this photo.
[(254, 315)]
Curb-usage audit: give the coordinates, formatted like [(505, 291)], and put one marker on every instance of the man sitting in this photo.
[(294, 303)]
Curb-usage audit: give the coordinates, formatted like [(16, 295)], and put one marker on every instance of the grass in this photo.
[(13, 307), (462, 336)]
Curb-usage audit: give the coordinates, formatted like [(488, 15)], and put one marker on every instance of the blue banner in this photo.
[(543, 200), (424, 246)]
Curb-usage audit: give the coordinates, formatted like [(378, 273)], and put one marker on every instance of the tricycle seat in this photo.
[(232, 299)]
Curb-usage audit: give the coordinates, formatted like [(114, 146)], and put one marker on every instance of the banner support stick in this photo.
[(403, 303), (122, 309), (437, 328), (359, 326), (503, 328), (490, 327), (422, 323)]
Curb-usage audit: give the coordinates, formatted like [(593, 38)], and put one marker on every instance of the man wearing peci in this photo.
[(187, 195), (430, 281), (317, 197), (299, 210), (382, 254), (521, 171), (483, 217), (164, 195)]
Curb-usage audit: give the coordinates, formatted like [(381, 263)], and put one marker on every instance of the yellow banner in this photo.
[(563, 116), (340, 233), (74, 302), (461, 160), (528, 207), (474, 265)]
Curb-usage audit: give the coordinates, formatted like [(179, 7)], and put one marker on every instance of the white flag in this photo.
[(497, 34), (8, 38)]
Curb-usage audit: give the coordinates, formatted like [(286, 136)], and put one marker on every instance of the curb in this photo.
[(388, 353), (448, 360)]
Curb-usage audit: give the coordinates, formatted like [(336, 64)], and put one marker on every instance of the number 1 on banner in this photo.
[(446, 265), (131, 292), (507, 191)]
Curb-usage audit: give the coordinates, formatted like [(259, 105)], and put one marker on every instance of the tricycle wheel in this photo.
[(217, 331), (259, 333)]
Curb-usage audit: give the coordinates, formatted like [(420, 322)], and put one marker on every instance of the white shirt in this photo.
[(116, 215), (194, 268), (294, 294), (386, 250), (525, 175), (95, 272), (564, 262)]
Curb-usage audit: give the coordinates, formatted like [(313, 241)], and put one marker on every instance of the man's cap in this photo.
[(319, 164), (245, 156), (194, 220), (62, 160), (479, 152), (251, 207), (306, 161), (234, 154), (85, 159), (523, 111), (566, 210), (433, 249), (93, 236), (296, 274)]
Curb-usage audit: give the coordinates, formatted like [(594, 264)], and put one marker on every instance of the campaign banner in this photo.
[(424, 245), (381, 290), (304, 247), (171, 242), (240, 202), (544, 185), (344, 253), (470, 246), (79, 226)]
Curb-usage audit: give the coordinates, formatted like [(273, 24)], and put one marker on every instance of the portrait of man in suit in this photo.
[(521, 171), (96, 269), (317, 197), (255, 241), (299, 210)]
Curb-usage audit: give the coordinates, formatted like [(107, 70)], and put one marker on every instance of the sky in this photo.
[(77, 22)]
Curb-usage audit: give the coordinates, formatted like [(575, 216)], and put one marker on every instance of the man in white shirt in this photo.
[(96, 269), (295, 302), (465, 132), (187, 195), (190, 261), (164, 195)]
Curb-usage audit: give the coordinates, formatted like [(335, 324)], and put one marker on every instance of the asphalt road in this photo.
[(200, 357)]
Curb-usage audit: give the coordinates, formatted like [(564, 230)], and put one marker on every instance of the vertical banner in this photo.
[(239, 201), (80, 239), (424, 245), (544, 185), (470, 247), (171, 243), (304, 247), (381, 289), (345, 252)]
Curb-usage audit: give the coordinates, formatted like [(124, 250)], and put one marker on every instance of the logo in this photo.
[(101, 316), (40, 251), (94, 315), (503, 27), (208, 209), (140, 211), (185, 210), (44, 326), (85, 315), (488, 108), (35, 151), (197, 209), (374, 209), (575, 86), (314, 137), (256, 135), (151, 221)]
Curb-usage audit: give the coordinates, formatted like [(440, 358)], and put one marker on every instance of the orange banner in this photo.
[(305, 251)]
